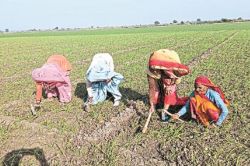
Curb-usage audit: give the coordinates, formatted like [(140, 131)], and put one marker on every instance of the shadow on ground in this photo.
[(127, 94), (80, 90), (14, 157)]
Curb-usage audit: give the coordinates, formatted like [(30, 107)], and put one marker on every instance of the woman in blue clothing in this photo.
[(102, 79), (206, 103)]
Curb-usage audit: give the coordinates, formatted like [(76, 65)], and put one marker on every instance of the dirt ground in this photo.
[(115, 138)]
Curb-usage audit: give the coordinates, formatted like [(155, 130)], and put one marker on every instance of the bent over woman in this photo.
[(207, 103), (102, 79), (164, 73), (53, 78)]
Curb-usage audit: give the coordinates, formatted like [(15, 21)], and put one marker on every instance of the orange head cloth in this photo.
[(205, 81), (61, 61)]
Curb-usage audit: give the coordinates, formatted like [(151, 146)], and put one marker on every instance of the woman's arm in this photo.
[(153, 92), (89, 88), (89, 91), (215, 97), (186, 107), (39, 91)]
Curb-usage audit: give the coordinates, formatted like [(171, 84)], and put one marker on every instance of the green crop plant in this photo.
[(226, 62)]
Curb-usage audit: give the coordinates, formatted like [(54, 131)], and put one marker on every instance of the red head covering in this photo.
[(165, 59), (205, 81)]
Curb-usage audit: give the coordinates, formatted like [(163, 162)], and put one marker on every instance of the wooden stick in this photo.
[(147, 122), (172, 115)]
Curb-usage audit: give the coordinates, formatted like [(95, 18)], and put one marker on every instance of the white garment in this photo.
[(99, 58)]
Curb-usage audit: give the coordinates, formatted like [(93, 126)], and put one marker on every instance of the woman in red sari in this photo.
[(164, 73), (207, 103)]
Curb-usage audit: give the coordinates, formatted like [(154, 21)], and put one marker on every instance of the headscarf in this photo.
[(61, 61), (101, 67), (206, 82), (165, 59)]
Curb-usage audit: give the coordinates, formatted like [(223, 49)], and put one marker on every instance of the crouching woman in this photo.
[(207, 103), (53, 78), (164, 73), (101, 80)]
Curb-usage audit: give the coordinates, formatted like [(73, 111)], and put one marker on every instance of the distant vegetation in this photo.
[(156, 23)]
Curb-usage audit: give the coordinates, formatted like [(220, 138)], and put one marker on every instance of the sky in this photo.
[(17, 15)]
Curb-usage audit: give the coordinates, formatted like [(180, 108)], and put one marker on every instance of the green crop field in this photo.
[(112, 136)]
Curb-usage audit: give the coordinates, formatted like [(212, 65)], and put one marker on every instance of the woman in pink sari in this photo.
[(53, 77)]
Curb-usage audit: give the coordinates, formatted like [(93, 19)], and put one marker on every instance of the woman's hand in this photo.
[(175, 116), (152, 108), (169, 89), (90, 99), (108, 81), (212, 126), (37, 104)]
